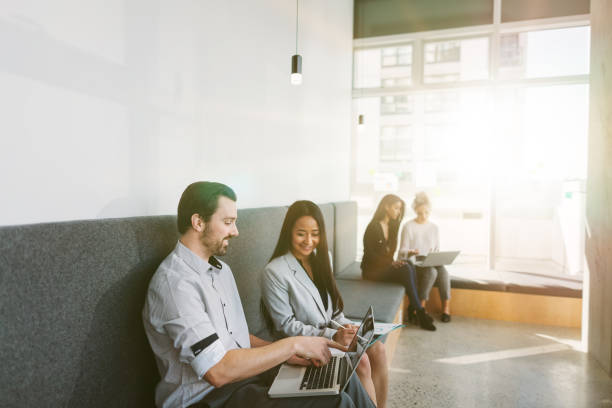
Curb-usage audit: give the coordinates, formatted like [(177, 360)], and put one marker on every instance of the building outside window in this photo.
[(386, 67), (456, 60)]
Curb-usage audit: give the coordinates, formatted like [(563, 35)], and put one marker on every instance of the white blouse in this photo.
[(424, 237)]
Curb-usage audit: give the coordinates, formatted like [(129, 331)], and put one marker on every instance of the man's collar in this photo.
[(214, 262), (195, 262)]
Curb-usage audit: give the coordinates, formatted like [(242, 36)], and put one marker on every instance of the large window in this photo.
[(492, 124)]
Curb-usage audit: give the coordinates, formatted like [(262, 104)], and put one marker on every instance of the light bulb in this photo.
[(296, 79)]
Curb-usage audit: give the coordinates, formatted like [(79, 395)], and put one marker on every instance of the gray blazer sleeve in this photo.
[(276, 283)]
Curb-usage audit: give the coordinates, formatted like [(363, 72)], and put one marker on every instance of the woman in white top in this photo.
[(301, 297), (421, 236)]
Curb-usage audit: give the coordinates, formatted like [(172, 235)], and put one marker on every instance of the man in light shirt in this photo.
[(196, 326)]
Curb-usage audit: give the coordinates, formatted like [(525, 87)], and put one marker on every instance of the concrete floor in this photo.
[(486, 363)]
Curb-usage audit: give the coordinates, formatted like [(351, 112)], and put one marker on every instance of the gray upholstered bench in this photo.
[(385, 298), (386, 301), (71, 297)]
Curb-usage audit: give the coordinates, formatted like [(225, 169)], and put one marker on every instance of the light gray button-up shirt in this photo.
[(192, 317)]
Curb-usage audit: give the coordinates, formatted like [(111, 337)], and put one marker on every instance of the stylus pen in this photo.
[(339, 325)]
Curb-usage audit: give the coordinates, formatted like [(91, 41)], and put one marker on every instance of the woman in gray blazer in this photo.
[(301, 296)]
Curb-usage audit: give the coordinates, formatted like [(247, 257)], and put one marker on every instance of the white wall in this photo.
[(111, 107)]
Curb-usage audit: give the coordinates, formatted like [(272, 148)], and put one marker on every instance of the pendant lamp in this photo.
[(296, 60)]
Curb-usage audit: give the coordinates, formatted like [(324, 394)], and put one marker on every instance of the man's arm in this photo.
[(295, 359), (240, 364)]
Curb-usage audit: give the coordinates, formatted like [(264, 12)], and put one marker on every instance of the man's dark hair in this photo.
[(200, 198)]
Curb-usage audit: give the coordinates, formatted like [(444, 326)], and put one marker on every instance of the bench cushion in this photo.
[(515, 282), (358, 295), (351, 272), (469, 279), (542, 285)]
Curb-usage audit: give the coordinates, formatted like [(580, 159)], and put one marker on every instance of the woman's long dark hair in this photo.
[(319, 259), (394, 225)]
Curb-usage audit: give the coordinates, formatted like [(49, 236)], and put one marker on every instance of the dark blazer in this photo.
[(377, 252)]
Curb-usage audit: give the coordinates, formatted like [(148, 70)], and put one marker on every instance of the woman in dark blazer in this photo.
[(301, 298), (378, 264)]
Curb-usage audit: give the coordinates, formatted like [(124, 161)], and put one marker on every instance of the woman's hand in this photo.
[(345, 334), (397, 264)]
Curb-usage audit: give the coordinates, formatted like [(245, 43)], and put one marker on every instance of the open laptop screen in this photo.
[(362, 339)]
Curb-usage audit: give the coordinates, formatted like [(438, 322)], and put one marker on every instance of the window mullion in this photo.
[(418, 59)]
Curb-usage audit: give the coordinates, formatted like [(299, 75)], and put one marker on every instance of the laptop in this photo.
[(331, 379), (437, 259)]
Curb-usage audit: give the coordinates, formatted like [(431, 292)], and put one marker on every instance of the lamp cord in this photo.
[(297, 11)]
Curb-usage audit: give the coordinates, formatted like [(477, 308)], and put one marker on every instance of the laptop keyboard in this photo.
[(319, 377)]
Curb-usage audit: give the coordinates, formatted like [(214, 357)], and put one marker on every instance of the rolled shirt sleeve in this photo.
[(208, 352)]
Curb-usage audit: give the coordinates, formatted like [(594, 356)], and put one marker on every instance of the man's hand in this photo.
[(345, 334), (297, 360), (397, 264), (315, 349)]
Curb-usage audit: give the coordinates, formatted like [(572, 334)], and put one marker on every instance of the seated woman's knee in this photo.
[(441, 271), (378, 351), (364, 368)]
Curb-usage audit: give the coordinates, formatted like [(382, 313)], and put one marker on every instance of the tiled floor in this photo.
[(486, 363)]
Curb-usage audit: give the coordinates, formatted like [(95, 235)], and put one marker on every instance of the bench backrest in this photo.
[(248, 255), (71, 296), (345, 234)]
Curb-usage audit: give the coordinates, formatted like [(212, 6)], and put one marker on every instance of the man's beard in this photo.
[(214, 247)]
